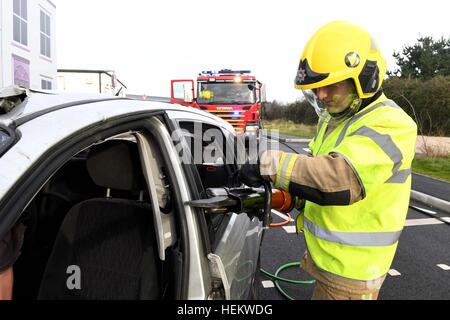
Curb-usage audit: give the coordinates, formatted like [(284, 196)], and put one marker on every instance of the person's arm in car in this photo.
[(10, 247)]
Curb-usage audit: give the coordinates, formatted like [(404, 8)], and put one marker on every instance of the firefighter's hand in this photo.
[(250, 175)]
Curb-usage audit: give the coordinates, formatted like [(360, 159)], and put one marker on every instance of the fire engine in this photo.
[(234, 95)]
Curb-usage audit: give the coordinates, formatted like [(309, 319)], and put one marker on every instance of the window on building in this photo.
[(46, 84), (20, 21), (45, 34)]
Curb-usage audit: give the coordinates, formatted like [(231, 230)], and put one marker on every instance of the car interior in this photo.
[(212, 175), (95, 213)]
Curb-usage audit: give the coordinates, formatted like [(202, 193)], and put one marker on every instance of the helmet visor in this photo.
[(314, 101), (338, 104)]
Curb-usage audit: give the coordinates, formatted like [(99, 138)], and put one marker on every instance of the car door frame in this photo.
[(221, 259)]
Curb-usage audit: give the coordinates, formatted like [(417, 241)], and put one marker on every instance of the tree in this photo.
[(424, 60), (426, 101)]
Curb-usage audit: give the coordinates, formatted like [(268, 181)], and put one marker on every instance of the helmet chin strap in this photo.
[(356, 105), (348, 112), (339, 114)]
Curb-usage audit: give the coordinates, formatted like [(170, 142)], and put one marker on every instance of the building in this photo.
[(90, 81), (27, 44)]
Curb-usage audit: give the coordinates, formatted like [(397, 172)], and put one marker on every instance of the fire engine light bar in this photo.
[(225, 71)]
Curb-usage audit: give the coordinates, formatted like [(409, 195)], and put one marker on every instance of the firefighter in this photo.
[(356, 183)]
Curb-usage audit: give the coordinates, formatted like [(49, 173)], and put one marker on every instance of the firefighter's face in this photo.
[(338, 96)]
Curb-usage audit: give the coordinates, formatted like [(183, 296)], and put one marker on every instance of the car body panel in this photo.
[(238, 249)]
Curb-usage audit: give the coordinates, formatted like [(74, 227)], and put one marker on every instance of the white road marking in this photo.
[(421, 222), (281, 215), (443, 266), (297, 140), (423, 209), (268, 284), (394, 273), (290, 229)]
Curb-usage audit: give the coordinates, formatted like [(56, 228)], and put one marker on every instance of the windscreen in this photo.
[(226, 93)]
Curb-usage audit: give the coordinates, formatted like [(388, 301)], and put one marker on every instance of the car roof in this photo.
[(38, 103)]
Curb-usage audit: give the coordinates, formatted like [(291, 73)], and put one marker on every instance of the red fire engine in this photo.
[(234, 95)]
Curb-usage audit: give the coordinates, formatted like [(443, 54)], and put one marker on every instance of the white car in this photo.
[(112, 212)]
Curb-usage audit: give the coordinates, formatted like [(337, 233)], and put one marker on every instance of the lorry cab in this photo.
[(233, 95)]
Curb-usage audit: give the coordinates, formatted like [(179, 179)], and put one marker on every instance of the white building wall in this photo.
[(40, 66), (85, 82), (90, 81)]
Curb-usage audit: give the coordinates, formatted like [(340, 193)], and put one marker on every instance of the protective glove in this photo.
[(250, 175)]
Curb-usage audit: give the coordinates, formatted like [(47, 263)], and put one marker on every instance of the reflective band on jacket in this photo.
[(366, 239), (284, 170), (280, 170), (319, 127), (384, 141), (359, 115)]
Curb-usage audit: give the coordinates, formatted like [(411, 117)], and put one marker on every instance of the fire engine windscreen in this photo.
[(226, 93)]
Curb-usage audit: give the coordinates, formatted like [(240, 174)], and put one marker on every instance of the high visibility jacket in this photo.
[(359, 240)]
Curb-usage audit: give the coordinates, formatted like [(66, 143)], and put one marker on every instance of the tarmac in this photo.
[(431, 192)]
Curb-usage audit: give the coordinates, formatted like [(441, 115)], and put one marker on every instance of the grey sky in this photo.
[(149, 43)]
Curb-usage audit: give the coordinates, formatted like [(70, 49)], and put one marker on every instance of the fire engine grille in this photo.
[(234, 117)]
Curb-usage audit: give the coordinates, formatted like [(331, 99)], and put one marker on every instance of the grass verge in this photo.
[(433, 167), (290, 128)]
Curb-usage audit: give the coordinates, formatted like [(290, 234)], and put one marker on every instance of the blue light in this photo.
[(236, 113), (224, 72)]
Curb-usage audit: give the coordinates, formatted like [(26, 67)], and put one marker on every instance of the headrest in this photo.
[(116, 164)]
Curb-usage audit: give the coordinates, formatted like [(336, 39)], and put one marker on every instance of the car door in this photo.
[(234, 238)]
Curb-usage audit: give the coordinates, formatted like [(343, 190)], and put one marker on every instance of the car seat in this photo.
[(111, 241)]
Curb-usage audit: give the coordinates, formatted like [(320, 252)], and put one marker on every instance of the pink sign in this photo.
[(21, 71)]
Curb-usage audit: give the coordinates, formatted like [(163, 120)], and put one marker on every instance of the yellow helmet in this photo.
[(339, 51)]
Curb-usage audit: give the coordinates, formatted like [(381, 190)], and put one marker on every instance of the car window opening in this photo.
[(71, 222), (217, 175)]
